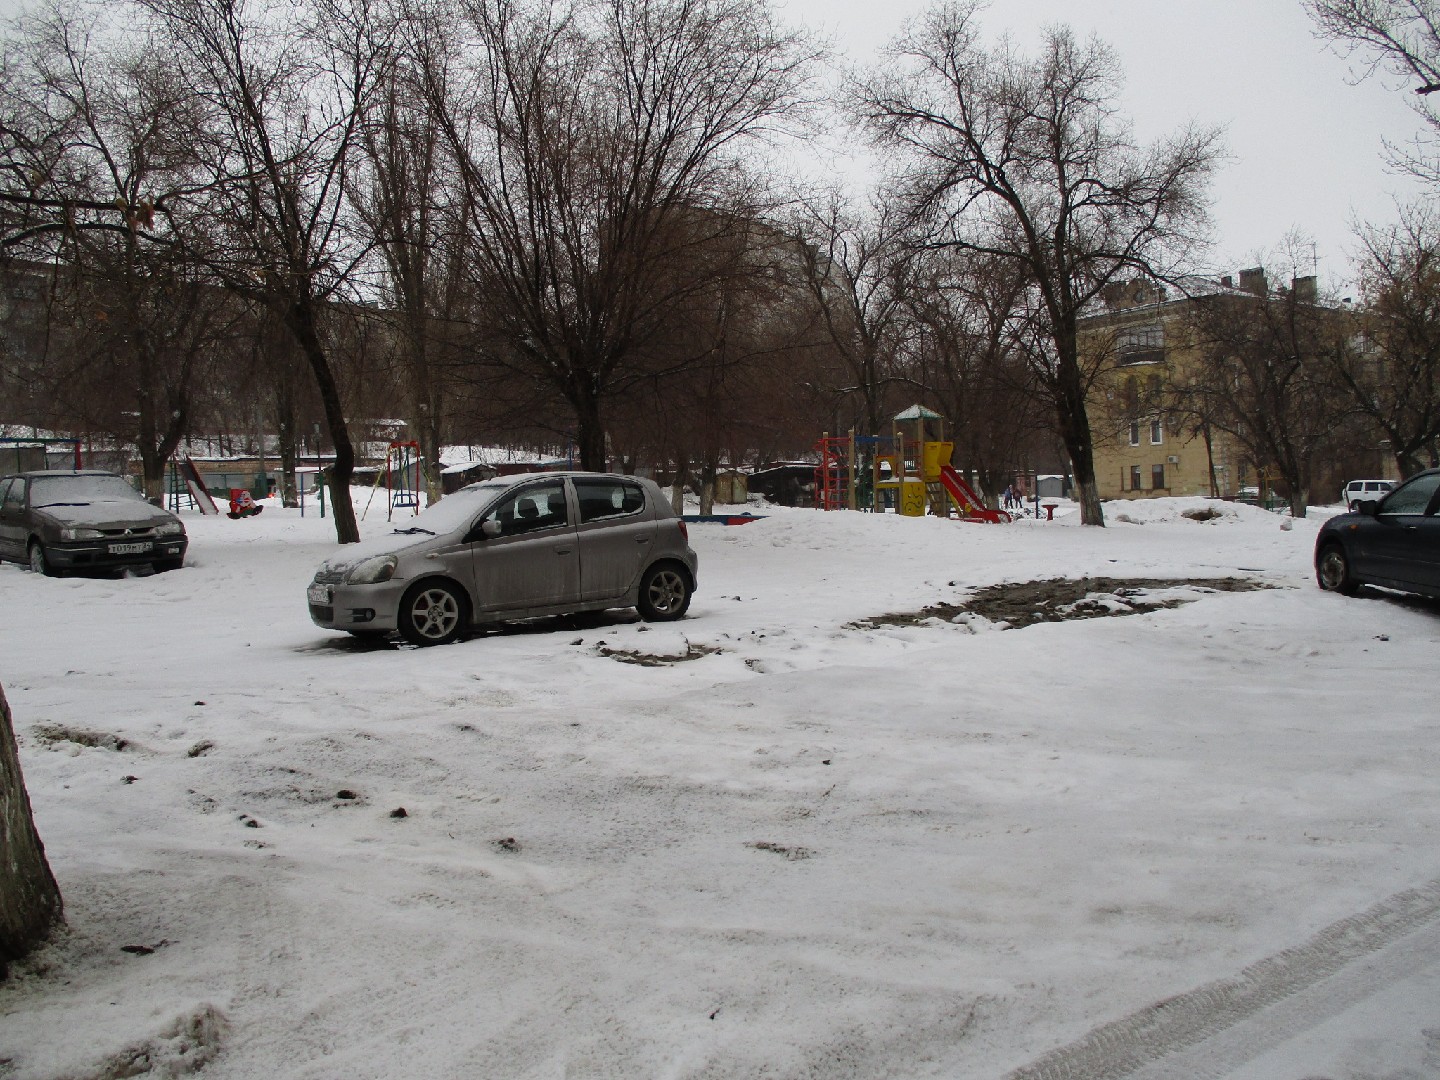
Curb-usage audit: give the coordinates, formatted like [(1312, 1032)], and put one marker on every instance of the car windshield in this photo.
[(452, 512), (1414, 497), (79, 490)]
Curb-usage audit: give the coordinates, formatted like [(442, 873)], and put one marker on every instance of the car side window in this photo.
[(604, 498), (1412, 498), (14, 495), (4, 489), (541, 506)]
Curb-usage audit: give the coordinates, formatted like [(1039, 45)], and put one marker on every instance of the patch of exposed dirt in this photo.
[(792, 853), (633, 656), (1013, 605), (50, 734)]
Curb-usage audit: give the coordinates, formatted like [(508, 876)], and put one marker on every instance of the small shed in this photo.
[(455, 477), (731, 488), (785, 483)]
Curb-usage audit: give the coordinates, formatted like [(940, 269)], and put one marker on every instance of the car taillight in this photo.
[(684, 532)]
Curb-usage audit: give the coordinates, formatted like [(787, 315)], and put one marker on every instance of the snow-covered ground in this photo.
[(809, 850)]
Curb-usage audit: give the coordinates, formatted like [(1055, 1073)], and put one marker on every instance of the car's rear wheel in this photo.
[(664, 593), (38, 562), (432, 613), (1332, 571)]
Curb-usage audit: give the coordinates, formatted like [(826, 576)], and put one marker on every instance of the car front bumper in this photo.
[(104, 554), (355, 607)]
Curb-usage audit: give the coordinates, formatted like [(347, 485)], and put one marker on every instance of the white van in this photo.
[(1358, 491)]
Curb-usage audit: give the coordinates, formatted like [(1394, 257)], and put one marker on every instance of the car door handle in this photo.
[(562, 551), (642, 539)]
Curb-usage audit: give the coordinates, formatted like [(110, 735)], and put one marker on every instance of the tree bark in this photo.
[(300, 317), (30, 904)]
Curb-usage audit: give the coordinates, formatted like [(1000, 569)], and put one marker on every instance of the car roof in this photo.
[(32, 473)]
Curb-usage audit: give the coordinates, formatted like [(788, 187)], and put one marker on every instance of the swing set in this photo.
[(404, 466)]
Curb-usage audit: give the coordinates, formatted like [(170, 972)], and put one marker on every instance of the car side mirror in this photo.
[(1368, 507), (482, 530)]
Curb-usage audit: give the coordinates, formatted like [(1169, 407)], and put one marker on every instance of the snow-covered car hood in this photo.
[(106, 513), (445, 518), (353, 554)]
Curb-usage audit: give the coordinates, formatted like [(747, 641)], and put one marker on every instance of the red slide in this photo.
[(971, 508)]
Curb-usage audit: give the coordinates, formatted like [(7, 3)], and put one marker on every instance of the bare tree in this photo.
[(132, 322), (287, 88), (856, 267), (1401, 38), (30, 903), (1266, 378), (599, 145), (406, 196), (970, 359), (1025, 159), (1392, 369), (47, 164)]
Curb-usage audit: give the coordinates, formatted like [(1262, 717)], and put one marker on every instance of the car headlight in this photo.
[(373, 571), (71, 532), (169, 528)]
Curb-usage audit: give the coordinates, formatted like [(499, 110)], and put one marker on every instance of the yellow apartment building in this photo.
[(1140, 349)]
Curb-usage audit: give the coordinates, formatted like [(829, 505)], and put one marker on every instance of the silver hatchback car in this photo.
[(513, 548)]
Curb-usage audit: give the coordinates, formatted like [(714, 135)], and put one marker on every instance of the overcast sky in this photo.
[(1305, 144)]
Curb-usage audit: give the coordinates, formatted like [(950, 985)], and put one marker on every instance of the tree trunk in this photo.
[(287, 433), (30, 905), (1075, 434), (300, 318), (682, 477), (707, 485), (589, 430), (1074, 422)]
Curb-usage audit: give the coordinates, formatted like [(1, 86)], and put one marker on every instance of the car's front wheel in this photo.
[(664, 593), (38, 562), (1332, 571), (432, 613), (164, 566)]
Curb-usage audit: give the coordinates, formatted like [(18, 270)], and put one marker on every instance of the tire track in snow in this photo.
[(1123, 1047)]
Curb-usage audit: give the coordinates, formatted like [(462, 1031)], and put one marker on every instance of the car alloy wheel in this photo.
[(664, 594), (432, 613), (1332, 570)]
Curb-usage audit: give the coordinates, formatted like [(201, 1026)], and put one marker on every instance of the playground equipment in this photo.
[(403, 467), (188, 486), (910, 475)]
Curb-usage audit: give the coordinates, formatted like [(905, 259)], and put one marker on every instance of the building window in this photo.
[(1140, 345), (1157, 477), (1134, 477), (1134, 432), (1157, 432)]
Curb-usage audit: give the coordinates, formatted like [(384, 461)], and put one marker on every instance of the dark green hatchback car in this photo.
[(56, 521)]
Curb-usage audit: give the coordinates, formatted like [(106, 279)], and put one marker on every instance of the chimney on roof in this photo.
[(1305, 289), (1253, 281), (1227, 282)]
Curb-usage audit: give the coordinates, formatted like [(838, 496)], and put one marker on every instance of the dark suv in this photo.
[(86, 520)]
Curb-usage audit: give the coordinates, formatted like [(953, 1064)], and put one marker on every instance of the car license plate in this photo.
[(129, 549), (319, 594)]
